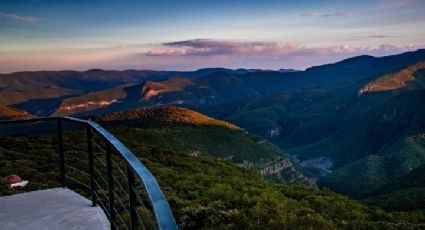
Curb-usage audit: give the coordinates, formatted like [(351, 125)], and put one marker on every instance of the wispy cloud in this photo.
[(18, 17), (381, 36), (208, 47), (327, 15)]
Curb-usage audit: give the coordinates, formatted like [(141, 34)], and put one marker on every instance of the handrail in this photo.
[(163, 214)]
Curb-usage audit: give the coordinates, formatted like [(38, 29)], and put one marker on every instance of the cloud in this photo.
[(209, 47), (198, 53), (381, 36), (383, 49), (327, 15), (192, 54), (18, 17)]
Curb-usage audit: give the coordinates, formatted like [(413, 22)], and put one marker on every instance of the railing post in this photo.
[(61, 151), (110, 184), (132, 198), (91, 164)]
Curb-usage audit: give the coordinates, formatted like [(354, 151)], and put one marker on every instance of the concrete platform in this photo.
[(58, 208)]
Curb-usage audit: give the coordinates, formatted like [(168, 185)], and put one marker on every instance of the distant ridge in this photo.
[(8, 113), (395, 80)]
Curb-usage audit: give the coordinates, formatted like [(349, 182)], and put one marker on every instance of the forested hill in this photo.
[(178, 129)]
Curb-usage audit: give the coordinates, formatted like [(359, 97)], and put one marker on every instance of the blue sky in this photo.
[(186, 35)]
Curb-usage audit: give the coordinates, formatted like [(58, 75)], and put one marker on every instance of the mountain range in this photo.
[(357, 125)]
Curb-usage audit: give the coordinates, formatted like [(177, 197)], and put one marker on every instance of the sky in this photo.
[(193, 34)]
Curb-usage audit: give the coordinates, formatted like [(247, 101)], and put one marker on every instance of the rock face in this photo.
[(282, 167), (277, 166), (101, 103), (90, 101), (247, 165)]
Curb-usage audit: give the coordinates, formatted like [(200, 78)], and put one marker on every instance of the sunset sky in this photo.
[(187, 35)]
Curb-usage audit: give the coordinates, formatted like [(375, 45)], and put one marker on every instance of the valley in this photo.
[(318, 127), (212, 115)]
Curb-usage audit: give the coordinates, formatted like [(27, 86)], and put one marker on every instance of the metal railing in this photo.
[(99, 171)]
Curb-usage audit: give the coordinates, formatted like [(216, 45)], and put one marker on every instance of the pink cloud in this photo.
[(18, 17), (208, 47), (194, 54), (198, 53)]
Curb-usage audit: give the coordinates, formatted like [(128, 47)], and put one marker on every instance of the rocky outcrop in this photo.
[(88, 104), (277, 166), (90, 101), (282, 168), (247, 165), (152, 89)]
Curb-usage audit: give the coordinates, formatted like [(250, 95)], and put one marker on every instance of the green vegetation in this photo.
[(204, 140), (208, 193), (379, 134), (396, 146), (33, 158), (405, 193), (364, 115), (180, 129), (184, 130)]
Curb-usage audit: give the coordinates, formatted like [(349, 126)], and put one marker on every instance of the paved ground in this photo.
[(57, 208)]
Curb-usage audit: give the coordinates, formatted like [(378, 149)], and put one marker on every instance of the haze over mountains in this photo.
[(364, 114)]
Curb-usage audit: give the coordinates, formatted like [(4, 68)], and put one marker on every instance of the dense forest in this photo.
[(210, 193)]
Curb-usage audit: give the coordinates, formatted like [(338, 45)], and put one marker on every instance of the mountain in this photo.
[(233, 86), (391, 146), (363, 114), (373, 125), (7, 113), (41, 92), (287, 70), (179, 129), (212, 89), (89, 101), (396, 80)]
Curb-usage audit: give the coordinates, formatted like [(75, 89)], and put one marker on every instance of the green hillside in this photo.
[(404, 193), (179, 129), (207, 193), (369, 133)]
